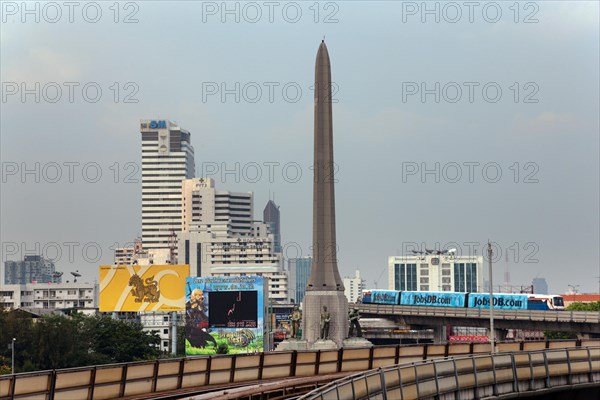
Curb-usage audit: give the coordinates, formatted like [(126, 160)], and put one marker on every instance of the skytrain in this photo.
[(504, 301)]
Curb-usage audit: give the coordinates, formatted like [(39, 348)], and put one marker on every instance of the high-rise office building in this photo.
[(540, 286), (167, 159), (33, 269), (299, 270), (202, 204), (220, 238), (271, 218)]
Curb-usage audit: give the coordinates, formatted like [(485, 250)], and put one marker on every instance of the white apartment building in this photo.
[(432, 272), (217, 251), (353, 287), (167, 159), (49, 295), (160, 323)]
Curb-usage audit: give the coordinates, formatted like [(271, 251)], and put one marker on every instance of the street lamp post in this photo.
[(12, 370), (492, 333)]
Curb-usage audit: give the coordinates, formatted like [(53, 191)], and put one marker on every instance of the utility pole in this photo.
[(492, 333), (13, 355)]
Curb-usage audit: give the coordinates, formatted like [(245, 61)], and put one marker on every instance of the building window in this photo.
[(471, 282), (424, 287), (166, 331), (406, 277), (459, 277), (424, 280)]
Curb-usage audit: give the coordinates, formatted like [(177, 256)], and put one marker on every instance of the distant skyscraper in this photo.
[(540, 286), (299, 269), (33, 269), (271, 218), (167, 159)]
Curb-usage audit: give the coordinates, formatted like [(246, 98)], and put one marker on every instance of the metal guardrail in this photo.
[(143, 378), (525, 315), (473, 377)]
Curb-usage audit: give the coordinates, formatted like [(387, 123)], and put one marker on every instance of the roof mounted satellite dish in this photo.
[(76, 275)]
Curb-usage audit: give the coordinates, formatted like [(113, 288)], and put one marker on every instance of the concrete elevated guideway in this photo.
[(272, 375), (567, 321), (549, 374)]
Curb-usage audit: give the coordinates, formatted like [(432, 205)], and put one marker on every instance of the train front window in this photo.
[(558, 302)]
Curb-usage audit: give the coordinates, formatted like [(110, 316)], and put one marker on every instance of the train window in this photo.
[(558, 302)]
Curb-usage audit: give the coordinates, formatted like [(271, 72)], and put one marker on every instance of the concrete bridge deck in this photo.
[(568, 321), (562, 374)]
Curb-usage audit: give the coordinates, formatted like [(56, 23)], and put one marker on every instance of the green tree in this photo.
[(579, 306), (59, 341), (5, 365)]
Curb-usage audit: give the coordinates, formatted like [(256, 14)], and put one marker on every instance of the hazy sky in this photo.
[(513, 132)]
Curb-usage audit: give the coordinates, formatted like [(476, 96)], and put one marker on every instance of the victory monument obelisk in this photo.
[(325, 287)]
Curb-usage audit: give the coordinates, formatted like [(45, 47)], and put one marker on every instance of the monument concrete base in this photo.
[(356, 342), (292, 344), (337, 306), (324, 345)]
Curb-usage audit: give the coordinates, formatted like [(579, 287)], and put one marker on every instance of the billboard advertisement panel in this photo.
[(225, 312), (434, 299), (142, 287), (384, 296), (282, 323), (503, 301)]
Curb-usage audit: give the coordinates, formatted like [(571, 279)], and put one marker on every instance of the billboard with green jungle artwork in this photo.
[(225, 315)]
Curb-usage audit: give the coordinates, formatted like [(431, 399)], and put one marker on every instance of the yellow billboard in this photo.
[(143, 287)]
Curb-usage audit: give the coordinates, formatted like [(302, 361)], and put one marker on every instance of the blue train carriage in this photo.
[(433, 299), (377, 296), (503, 301)]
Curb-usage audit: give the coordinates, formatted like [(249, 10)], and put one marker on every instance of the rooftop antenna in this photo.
[(507, 274)]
